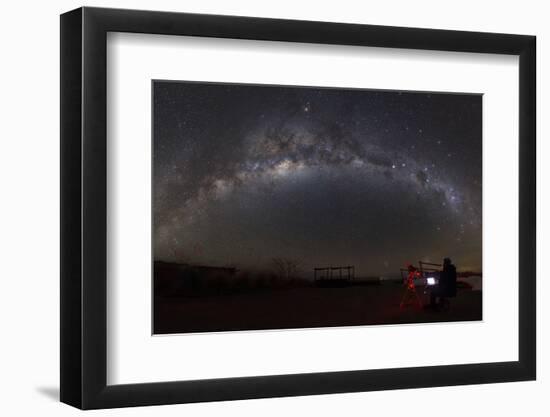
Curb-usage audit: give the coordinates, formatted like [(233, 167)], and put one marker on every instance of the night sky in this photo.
[(246, 173)]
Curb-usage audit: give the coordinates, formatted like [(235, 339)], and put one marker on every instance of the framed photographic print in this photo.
[(258, 207)]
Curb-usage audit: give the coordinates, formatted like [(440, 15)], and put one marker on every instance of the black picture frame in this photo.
[(84, 207)]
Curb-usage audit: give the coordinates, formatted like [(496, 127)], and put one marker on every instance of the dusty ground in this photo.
[(304, 307)]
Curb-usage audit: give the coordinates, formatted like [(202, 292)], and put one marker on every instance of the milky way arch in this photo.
[(244, 173)]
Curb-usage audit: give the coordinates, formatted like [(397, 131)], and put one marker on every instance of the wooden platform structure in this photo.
[(334, 273)]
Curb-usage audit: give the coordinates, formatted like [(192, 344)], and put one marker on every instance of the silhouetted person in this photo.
[(449, 278), (446, 286)]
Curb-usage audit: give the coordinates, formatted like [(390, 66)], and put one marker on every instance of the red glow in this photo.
[(410, 291)]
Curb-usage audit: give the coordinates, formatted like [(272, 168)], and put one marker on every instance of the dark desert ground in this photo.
[(306, 307)]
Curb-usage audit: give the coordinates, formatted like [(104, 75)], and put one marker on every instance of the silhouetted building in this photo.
[(185, 279)]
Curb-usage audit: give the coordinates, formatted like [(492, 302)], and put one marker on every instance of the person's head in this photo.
[(447, 261)]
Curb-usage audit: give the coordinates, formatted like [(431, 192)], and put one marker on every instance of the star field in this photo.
[(375, 179)]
